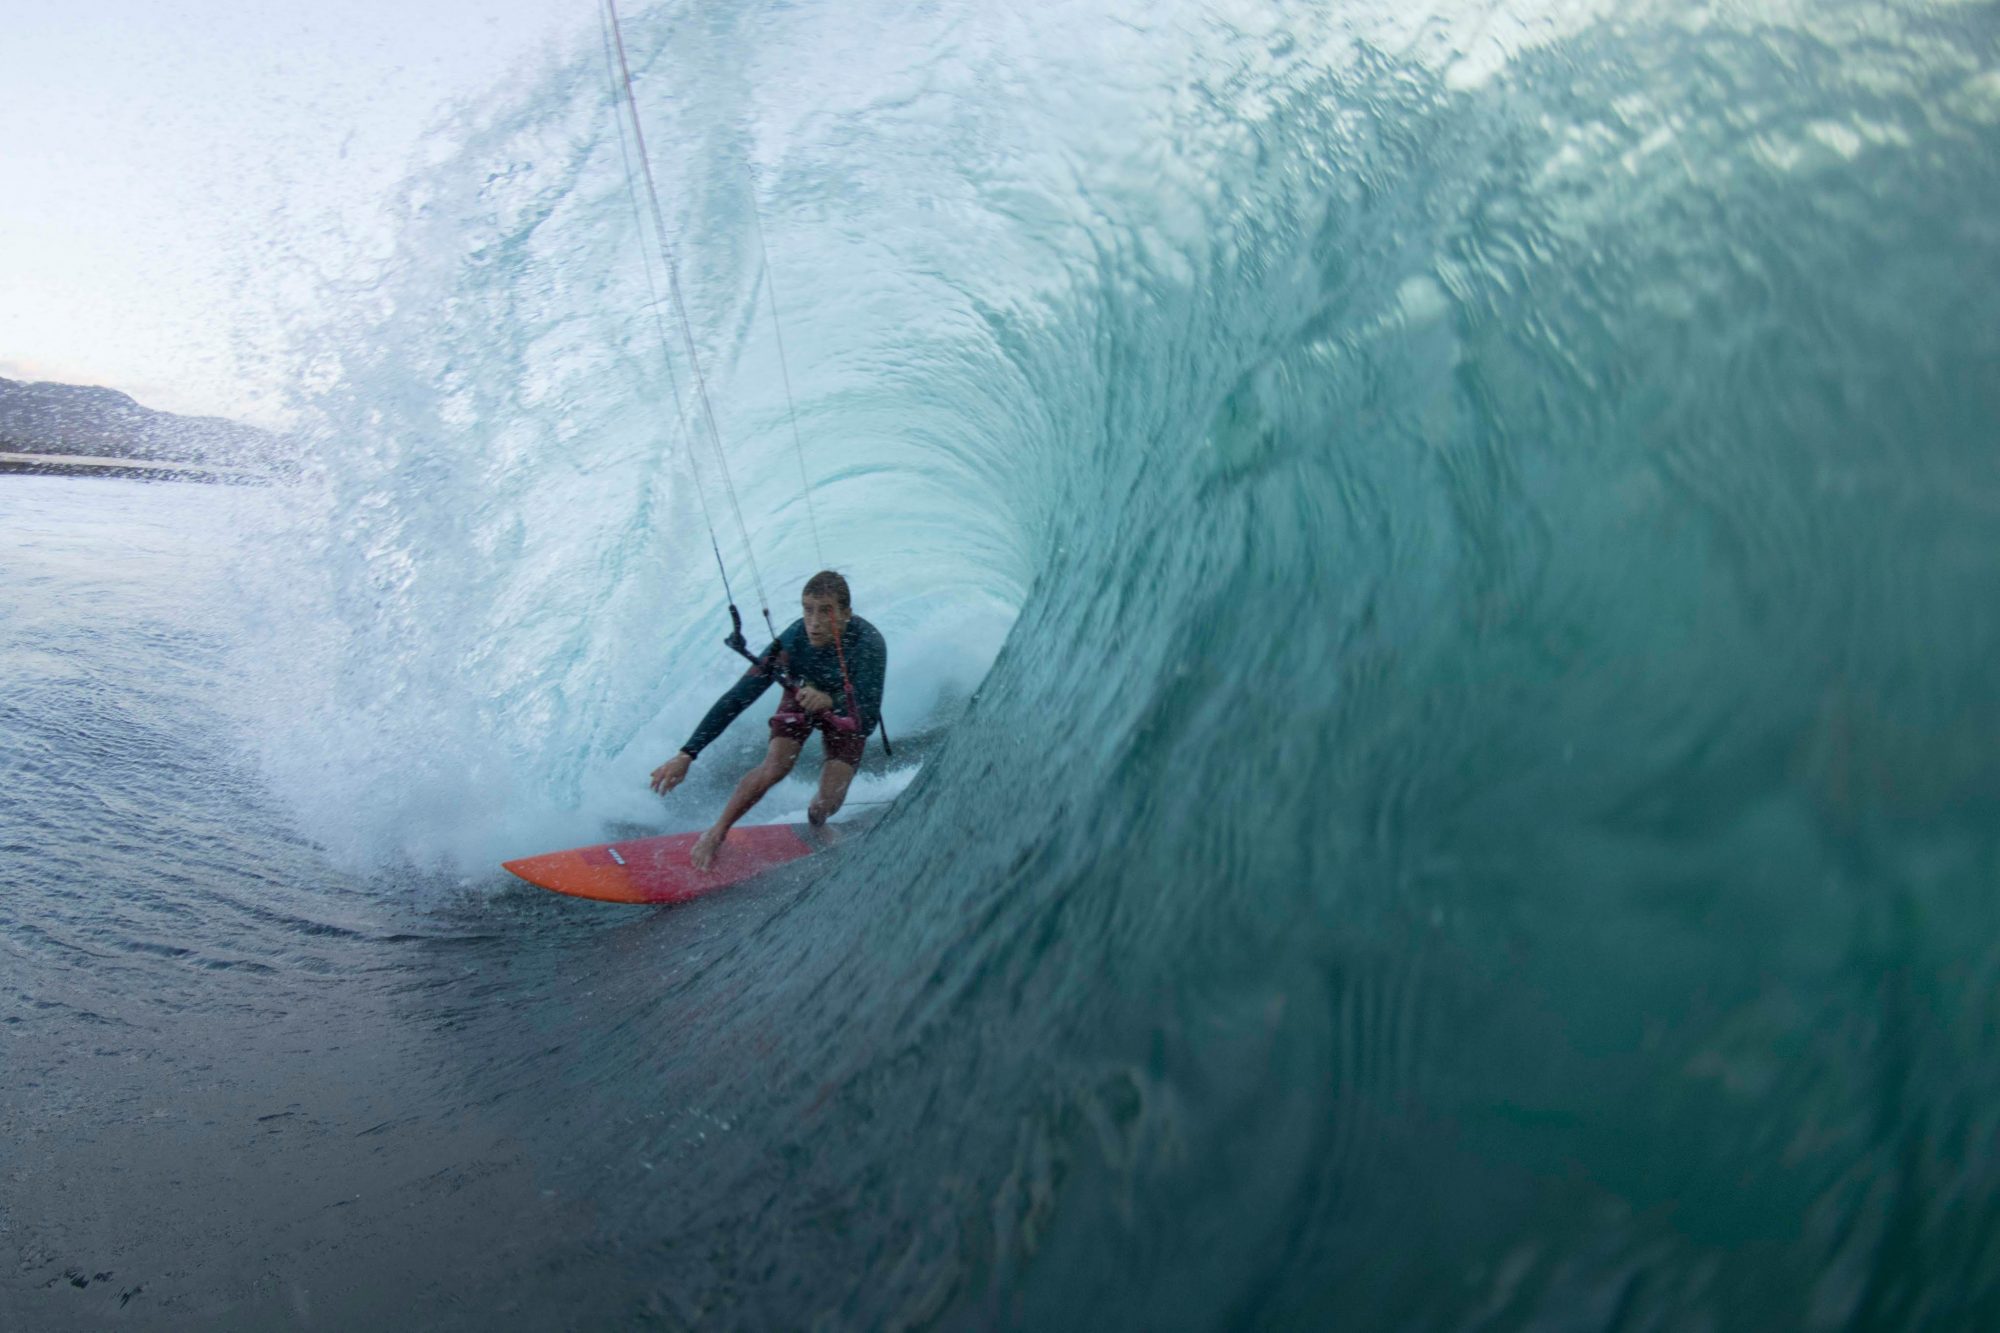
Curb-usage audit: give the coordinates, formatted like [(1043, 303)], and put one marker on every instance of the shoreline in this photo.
[(144, 469)]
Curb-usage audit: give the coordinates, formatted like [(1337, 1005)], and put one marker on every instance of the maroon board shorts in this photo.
[(795, 724)]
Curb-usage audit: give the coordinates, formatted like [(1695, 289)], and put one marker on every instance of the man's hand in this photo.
[(812, 700), (668, 775)]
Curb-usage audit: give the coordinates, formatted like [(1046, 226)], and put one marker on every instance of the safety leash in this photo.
[(847, 683)]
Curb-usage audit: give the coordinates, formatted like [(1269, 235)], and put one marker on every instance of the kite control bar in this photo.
[(736, 643)]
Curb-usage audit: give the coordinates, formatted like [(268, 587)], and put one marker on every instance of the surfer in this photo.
[(832, 663)]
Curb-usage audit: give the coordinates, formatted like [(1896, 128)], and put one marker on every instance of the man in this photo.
[(834, 663)]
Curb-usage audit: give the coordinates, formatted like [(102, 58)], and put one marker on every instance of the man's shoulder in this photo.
[(867, 633)]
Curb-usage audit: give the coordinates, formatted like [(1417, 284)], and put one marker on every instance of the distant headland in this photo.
[(82, 430)]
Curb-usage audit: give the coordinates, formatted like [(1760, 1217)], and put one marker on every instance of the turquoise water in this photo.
[(1444, 574)]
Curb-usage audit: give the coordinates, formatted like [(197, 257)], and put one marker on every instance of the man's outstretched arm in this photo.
[(721, 713), (727, 709)]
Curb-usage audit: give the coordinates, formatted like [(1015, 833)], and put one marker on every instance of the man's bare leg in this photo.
[(833, 780), (778, 761)]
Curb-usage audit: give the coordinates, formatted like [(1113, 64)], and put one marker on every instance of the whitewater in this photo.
[(1442, 579)]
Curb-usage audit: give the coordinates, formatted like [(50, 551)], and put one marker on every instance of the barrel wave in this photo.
[(1442, 578)]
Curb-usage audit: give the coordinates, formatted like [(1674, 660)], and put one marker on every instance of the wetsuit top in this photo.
[(867, 667)]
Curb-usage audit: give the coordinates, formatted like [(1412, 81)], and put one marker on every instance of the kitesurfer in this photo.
[(832, 664)]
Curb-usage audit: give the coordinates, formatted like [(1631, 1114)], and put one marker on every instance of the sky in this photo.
[(150, 150)]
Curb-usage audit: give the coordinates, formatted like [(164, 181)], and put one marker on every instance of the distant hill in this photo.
[(87, 422)]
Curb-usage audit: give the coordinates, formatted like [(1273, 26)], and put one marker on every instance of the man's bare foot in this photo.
[(705, 848), (815, 814)]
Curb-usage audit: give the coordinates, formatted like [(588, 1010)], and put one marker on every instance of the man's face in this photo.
[(824, 619)]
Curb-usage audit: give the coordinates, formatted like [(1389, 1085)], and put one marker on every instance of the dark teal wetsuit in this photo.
[(867, 666)]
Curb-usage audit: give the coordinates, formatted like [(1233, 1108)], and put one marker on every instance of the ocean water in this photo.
[(1442, 574)]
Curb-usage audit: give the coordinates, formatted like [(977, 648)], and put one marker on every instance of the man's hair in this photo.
[(826, 583)]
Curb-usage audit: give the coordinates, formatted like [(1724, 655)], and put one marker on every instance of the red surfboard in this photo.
[(656, 870)]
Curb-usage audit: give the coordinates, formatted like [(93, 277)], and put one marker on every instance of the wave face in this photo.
[(1450, 564)]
